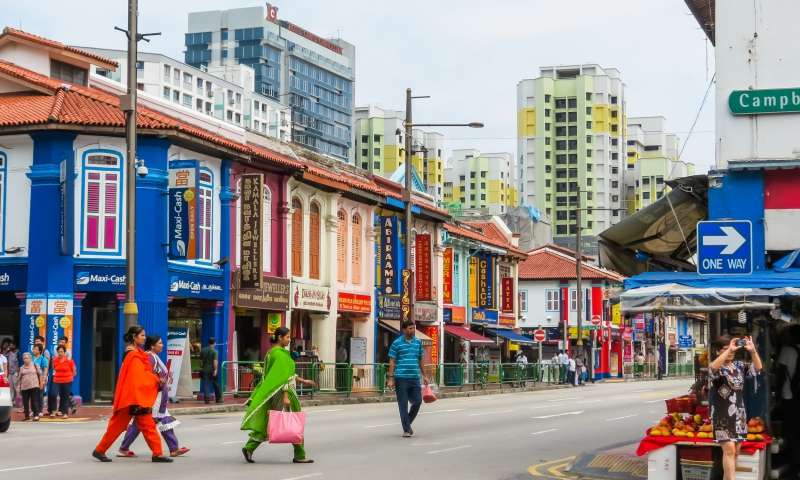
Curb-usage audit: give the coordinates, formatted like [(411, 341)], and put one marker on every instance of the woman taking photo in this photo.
[(727, 375), (63, 372), (275, 392)]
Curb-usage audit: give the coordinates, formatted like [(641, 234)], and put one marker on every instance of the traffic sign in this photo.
[(724, 247), (596, 320), (539, 335)]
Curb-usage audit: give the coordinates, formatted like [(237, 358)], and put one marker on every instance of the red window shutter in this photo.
[(297, 238), (356, 254), (341, 247)]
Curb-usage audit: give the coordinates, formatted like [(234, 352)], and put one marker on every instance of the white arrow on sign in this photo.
[(730, 238)]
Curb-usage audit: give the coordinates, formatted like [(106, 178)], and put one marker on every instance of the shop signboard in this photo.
[(35, 317), (311, 297), (616, 314), (273, 322), (194, 285), (455, 315), (422, 256), (358, 350), (354, 303), (13, 278), (484, 315), (638, 322), (59, 319), (389, 307), (389, 255), (183, 209), (433, 333), (508, 320), (405, 295), (273, 295), (447, 275), (426, 312), (685, 341), (100, 279), (177, 341), (251, 223), (508, 294)]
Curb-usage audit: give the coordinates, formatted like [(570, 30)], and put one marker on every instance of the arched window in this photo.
[(314, 241), (266, 234), (357, 249), (341, 247), (297, 238)]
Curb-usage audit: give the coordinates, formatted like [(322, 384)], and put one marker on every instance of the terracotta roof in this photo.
[(478, 232), (548, 264), (564, 250), (19, 34)]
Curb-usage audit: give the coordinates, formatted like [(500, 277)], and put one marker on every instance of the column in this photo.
[(120, 328), (77, 316), (438, 281), (226, 197)]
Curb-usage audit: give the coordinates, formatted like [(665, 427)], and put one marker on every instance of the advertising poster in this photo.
[(183, 209), (422, 255), (36, 318), (177, 342), (59, 320), (358, 350), (251, 222)]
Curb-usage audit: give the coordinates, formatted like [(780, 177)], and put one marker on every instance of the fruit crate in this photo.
[(696, 470), (696, 454), (680, 405)]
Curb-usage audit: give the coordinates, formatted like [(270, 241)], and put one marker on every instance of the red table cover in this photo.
[(649, 443)]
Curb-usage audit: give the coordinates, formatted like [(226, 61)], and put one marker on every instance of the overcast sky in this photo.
[(467, 54)]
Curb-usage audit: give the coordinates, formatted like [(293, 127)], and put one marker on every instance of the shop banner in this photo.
[(358, 350), (508, 294), (311, 297), (354, 303), (100, 279), (484, 315), (13, 278), (389, 307), (251, 225), (389, 255), (455, 315), (473, 282), (426, 312), (36, 318), (59, 319), (177, 341), (183, 209), (405, 294), (508, 320), (422, 259), (273, 295), (485, 281), (616, 314), (192, 285), (638, 322), (433, 333), (273, 322), (447, 275)]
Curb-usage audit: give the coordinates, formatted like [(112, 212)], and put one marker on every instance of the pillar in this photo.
[(226, 197), (120, 328), (84, 364)]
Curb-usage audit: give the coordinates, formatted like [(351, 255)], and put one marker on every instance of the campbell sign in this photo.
[(311, 297)]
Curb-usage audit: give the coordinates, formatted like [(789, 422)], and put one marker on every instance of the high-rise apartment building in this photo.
[(571, 147), (652, 160), (313, 75), (379, 147), (480, 183)]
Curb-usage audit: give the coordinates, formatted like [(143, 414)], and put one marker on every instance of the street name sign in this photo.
[(759, 102), (724, 247)]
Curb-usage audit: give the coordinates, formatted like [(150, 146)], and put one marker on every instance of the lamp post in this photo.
[(409, 184)]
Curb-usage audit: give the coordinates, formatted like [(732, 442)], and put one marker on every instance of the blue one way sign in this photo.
[(724, 247)]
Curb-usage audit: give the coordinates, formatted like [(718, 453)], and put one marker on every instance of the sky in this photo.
[(468, 55)]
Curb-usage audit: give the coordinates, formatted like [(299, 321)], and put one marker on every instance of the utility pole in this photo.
[(407, 195)]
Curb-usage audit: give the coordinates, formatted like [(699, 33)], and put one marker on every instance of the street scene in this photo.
[(504, 240)]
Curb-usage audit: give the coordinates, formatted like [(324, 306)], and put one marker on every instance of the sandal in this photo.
[(36, 418), (126, 454), (179, 452), (304, 460)]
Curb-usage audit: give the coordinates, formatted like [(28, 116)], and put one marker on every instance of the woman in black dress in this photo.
[(727, 375)]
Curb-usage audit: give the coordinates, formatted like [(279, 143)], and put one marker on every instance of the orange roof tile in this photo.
[(13, 32), (469, 230), (548, 264)]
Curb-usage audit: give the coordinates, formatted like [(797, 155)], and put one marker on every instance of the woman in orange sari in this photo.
[(135, 394)]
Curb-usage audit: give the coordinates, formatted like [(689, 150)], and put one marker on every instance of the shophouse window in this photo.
[(523, 300), (297, 238), (102, 197), (551, 300), (573, 300), (314, 241), (341, 247), (205, 210), (266, 233), (357, 248)]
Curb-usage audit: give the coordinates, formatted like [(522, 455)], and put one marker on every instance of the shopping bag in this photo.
[(286, 427), (427, 394)]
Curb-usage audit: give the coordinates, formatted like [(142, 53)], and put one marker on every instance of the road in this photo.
[(489, 437)]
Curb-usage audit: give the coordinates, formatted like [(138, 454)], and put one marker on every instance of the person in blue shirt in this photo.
[(405, 369)]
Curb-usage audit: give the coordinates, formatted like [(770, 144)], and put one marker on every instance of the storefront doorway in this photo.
[(248, 336), (9, 319), (104, 328)]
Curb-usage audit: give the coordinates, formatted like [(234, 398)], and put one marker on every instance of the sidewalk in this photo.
[(618, 462)]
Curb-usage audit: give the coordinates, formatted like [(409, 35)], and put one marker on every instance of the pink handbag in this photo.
[(286, 427)]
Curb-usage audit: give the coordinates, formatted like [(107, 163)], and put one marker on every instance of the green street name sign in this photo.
[(759, 102)]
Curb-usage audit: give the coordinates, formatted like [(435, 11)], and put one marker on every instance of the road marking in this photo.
[(539, 407), (588, 401), (544, 417), (210, 425), (451, 449), (381, 425), (554, 468), (442, 411), (643, 390), (621, 418), (232, 442), (655, 401), (540, 432), (29, 467), (301, 477), (499, 412), (562, 399), (326, 411), (429, 444)]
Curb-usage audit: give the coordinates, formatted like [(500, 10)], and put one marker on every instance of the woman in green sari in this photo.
[(275, 392)]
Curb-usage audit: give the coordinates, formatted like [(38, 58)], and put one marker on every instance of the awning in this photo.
[(467, 334), (394, 326), (510, 335)]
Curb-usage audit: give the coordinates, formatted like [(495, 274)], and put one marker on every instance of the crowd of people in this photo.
[(572, 370), (38, 375)]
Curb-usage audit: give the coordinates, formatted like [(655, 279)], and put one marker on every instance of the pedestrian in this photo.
[(522, 367), (136, 390), (579, 371), (209, 370), (154, 345), (572, 370), (30, 381), (62, 342), (728, 414), (564, 357), (277, 391), (12, 371), (64, 372), (405, 369), (43, 362), (3, 364), (789, 381)]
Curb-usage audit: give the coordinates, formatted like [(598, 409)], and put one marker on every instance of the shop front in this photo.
[(259, 312), (13, 282), (454, 349), (484, 319), (311, 327), (355, 332), (389, 316), (426, 318)]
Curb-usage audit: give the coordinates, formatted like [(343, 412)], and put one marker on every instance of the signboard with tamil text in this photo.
[(273, 295), (251, 225), (193, 285), (311, 297), (354, 303)]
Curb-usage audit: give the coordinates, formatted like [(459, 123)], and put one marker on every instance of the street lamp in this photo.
[(407, 195)]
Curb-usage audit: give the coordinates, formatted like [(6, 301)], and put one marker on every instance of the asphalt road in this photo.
[(489, 437)]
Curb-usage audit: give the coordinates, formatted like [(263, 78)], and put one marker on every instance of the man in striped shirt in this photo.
[(405, 369)]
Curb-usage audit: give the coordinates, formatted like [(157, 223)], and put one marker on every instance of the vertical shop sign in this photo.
[(59, 319), (405, 296), (423, 266), (177, 339), (433, 333), (388, 255), (473, 282), (447, 275), (485, 279), (36, 315), (508, 294), (183, 209), (250, 220)]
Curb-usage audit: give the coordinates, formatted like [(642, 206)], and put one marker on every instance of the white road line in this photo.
[(210, 425), (622, 418), (642, 390), (451, 410), (562, 399), (325, 411), (544, 417), (655, 401), (30, 467), (481, 414), (540, 432), (381, 425), (588, 401), (232, 442), (451, 449), (301, 477), (539, 407)]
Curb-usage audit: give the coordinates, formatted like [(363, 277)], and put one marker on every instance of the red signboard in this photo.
[(458, 315), (539, 335), (310, 36), (447, 275), (508, 294), (422, 256), (433, 333), (507, 320), (354, 302)]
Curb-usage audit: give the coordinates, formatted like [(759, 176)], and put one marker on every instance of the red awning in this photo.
[(466, 334)]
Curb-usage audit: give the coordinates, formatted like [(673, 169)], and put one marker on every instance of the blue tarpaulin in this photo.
[(768, 279), (510, 335)]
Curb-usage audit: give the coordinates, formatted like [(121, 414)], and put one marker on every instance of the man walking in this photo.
[(209, 369), (405, 370)]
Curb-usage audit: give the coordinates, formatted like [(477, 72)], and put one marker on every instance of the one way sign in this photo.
[(724, 247)]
